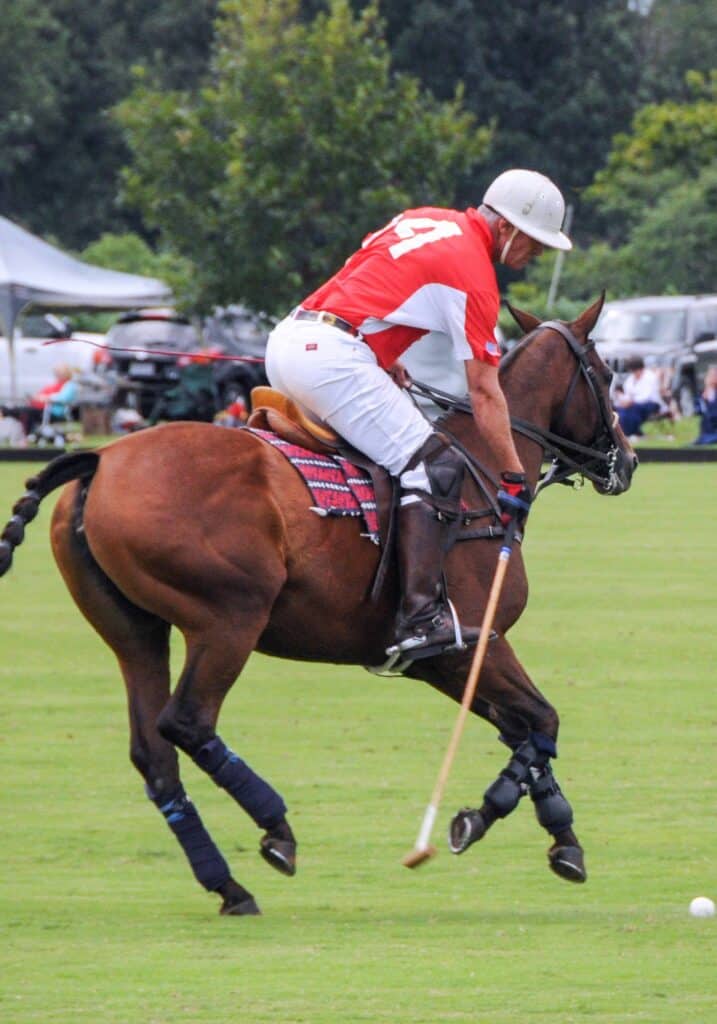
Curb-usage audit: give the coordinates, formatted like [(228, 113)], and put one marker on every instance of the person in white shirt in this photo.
[(638, 398)]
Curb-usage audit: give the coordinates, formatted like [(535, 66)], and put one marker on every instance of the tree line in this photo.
[(241, 148)]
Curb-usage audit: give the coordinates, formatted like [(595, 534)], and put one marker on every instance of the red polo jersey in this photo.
[(430, 269)]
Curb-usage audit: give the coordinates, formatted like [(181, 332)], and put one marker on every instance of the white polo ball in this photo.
[(702, 906)]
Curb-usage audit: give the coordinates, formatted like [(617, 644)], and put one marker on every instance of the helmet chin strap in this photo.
[(506, 247)]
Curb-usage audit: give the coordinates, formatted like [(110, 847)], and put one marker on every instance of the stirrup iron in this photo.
[(417, 647)]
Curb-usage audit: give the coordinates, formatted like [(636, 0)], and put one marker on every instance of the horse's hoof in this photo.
[(245, 908), (568, 862), (280, 853), (236, 900), (467, 827)]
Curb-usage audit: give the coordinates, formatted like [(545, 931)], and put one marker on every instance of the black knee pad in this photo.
[(505, 793), (444, 468), (551, 808)]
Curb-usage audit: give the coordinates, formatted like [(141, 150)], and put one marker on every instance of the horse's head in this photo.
[(582, 432)]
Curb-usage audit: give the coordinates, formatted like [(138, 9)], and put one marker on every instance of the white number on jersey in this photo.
[(415, 232)]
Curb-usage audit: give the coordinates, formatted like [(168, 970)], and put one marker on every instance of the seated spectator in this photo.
[(49, 403), (52, 403), (638, 398), (707, 407), (60, 395)]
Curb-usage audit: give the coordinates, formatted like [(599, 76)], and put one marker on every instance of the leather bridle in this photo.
[(596, 462)]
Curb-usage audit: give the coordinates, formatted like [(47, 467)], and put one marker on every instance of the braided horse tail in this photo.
[(72, 466)]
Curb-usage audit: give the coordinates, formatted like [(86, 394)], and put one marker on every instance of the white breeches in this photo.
[(336, 378)]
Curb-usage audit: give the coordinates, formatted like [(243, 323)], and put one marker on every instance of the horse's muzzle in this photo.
[(623, 463)]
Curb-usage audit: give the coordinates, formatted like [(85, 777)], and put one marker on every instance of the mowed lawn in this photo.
[(102, 922)]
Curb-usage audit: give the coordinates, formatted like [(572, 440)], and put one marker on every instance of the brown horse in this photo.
[(210, 531)]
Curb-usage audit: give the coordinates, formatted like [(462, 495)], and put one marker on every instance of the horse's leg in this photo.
[(529, 726), (552, 810), (215, 656), (147, 681), (140, 643)]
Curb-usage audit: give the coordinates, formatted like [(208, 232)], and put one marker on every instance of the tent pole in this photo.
[(11, 360)]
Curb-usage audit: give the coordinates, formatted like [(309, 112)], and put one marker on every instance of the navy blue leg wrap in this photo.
[(252, 793), (544, 744), (209, 867)]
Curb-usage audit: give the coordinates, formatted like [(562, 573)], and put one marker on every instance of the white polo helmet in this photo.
[(532, 203)]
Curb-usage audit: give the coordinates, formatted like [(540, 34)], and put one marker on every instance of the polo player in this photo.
[(337, 356)]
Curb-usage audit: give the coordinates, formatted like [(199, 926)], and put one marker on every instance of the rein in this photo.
[(568, 457), (207, 356)]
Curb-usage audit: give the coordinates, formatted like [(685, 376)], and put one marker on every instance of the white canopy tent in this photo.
[(33, 273)]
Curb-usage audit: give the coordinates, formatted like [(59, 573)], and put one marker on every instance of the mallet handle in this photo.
[(468, 694)]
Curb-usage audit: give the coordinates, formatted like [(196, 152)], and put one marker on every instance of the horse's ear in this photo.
[(588, 318), (525, 320)]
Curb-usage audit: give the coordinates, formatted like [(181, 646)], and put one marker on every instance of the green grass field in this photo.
[(102, 922)]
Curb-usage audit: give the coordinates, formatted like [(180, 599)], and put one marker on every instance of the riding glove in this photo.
[(514, 499)]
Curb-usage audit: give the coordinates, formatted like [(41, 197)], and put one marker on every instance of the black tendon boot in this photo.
[(425, 624)]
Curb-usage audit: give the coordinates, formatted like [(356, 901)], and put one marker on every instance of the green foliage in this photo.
[(559, 78), (300, 126), (34, 46), (669, 143), (71, 62), (585, 273), (674, 247), (270, 175), (128, 253), (556, 82), (680, 36), (131, 254), (657, 194), (532, 298)]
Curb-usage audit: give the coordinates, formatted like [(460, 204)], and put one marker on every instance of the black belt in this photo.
[(322, 317)]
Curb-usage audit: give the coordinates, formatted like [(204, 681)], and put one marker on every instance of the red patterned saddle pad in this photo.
[(337, 487)]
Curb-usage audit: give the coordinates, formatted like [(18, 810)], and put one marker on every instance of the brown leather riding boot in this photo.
[(425, 622)]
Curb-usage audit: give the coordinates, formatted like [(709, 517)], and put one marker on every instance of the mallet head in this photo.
[(419, 856)]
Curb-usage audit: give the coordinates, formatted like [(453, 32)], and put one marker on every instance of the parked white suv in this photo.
[(35, 362), (675, 333)]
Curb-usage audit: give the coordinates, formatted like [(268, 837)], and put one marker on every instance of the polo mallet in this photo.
[(423, 850)]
